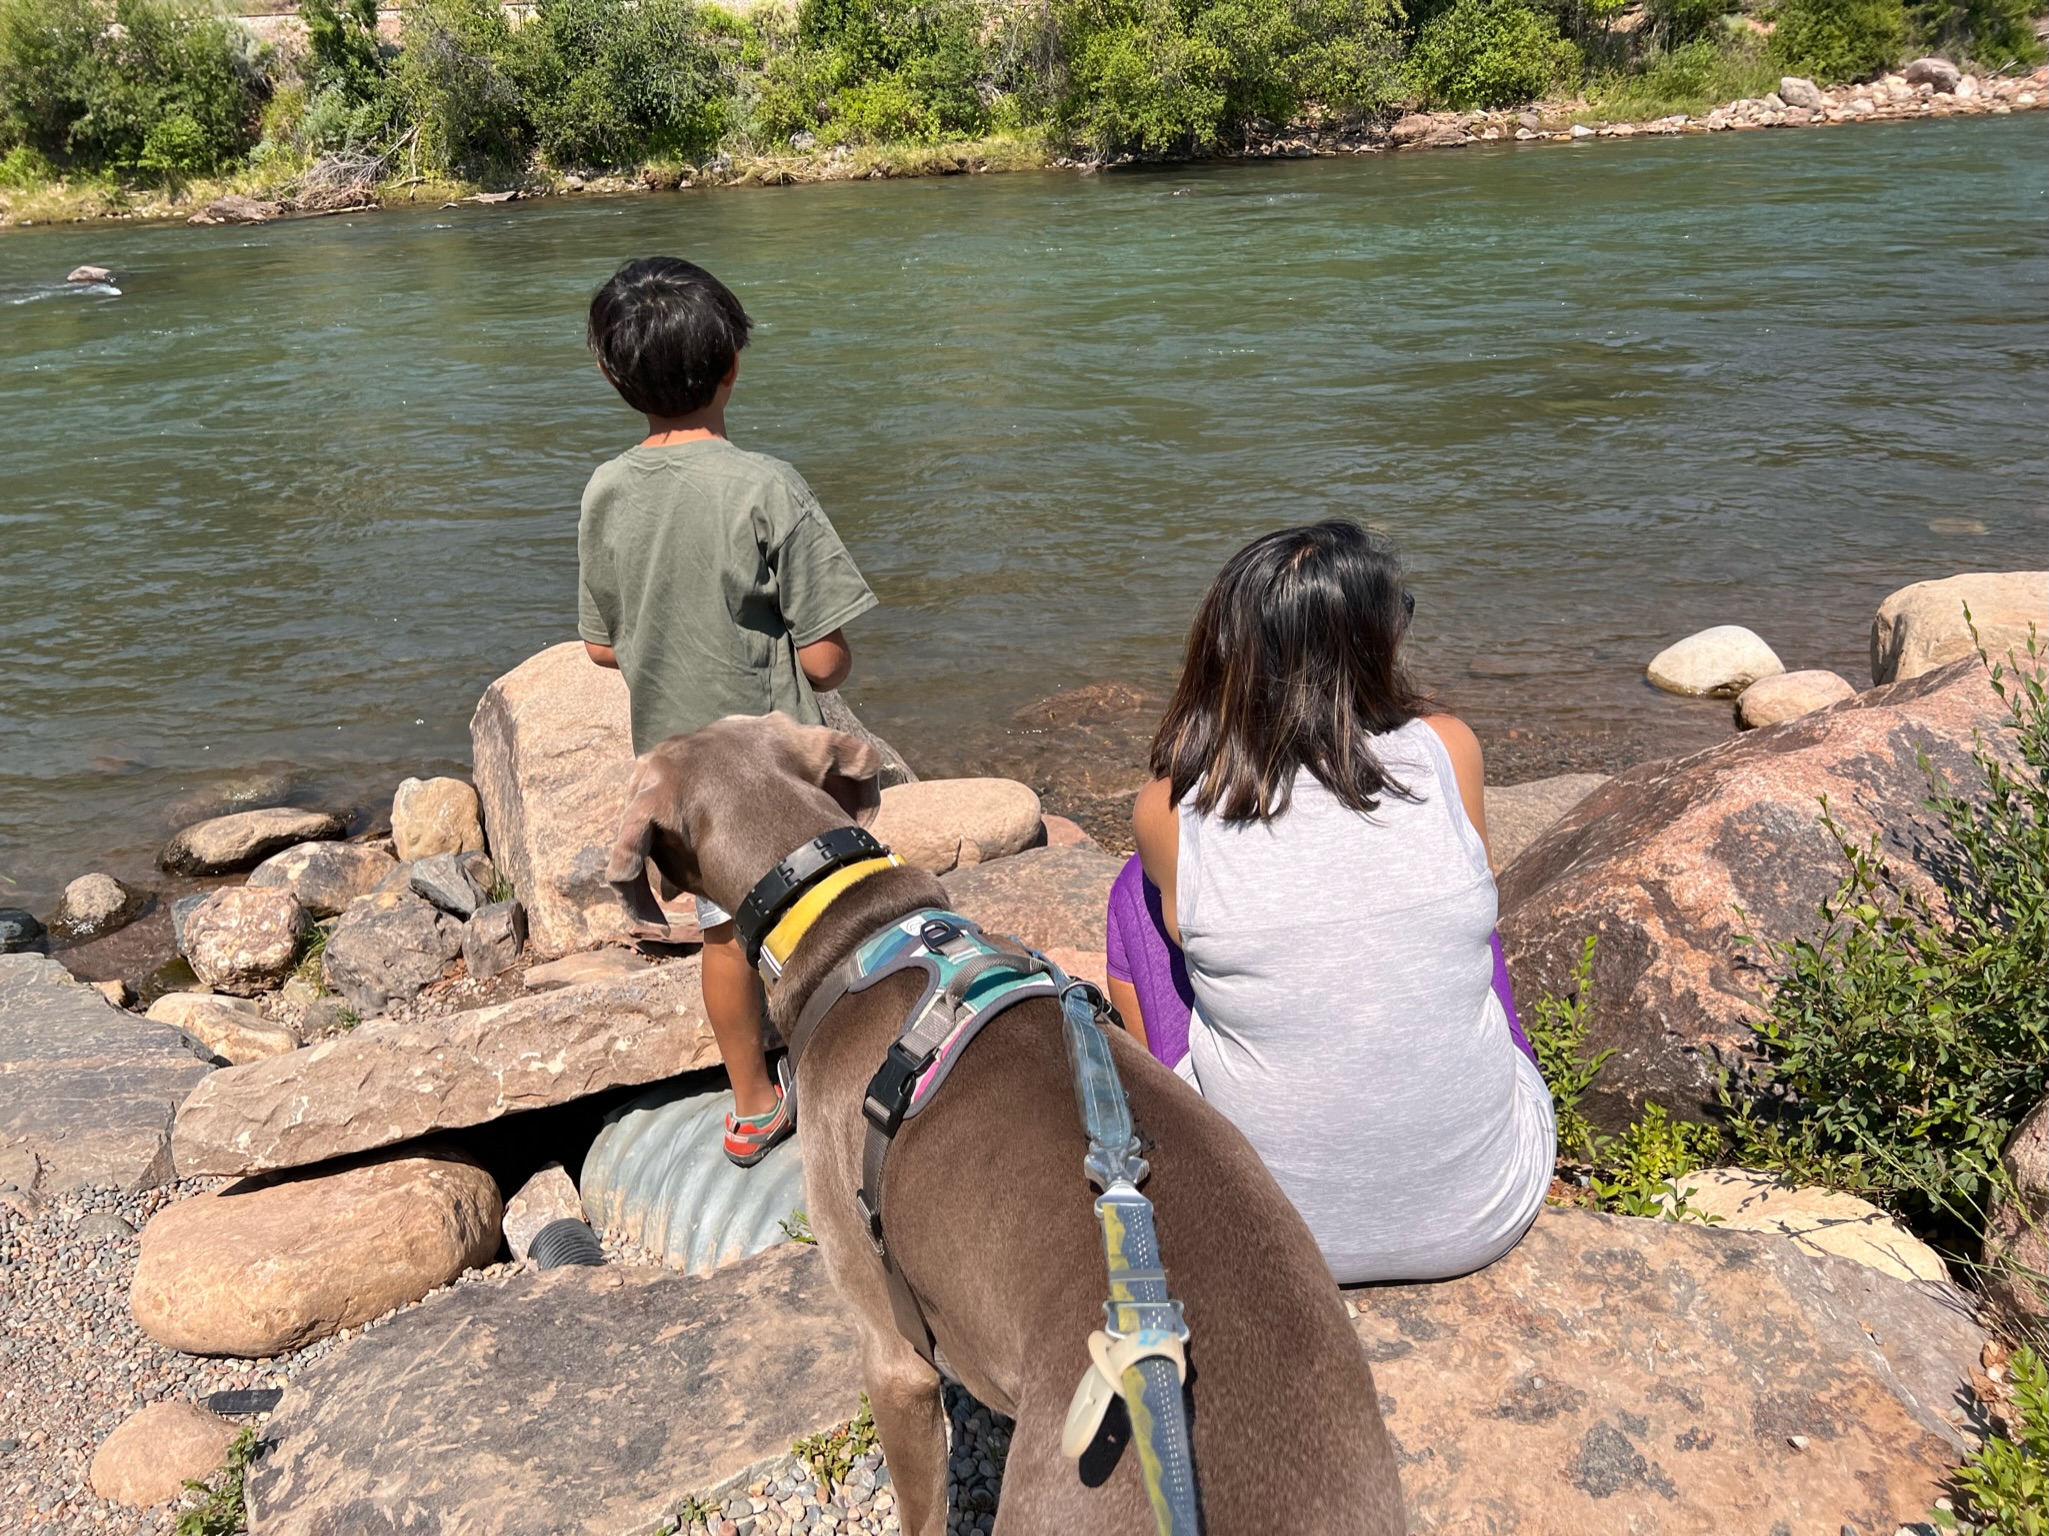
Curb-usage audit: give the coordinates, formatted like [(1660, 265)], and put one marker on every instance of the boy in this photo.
[(710, 577)]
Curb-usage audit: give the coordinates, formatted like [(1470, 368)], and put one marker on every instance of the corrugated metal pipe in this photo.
[(565, 1241)]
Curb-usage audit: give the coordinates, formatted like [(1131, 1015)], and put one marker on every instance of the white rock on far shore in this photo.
[(1795, 91), (1788, 695), (1720, 661), (1938, 74)]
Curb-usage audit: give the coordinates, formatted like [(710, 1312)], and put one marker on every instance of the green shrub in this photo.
[(1689, 78), (1839, 39), (611, 83), (1670, 23), (2005, 1482), (168, 90), (1994, 34), (1489, 53), (458, 82), (1908, 1041), (889, 69)]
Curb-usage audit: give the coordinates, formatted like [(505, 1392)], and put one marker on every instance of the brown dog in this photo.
[(989, 1214)]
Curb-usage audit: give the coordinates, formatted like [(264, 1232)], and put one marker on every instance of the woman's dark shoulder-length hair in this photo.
[(1293, 663)]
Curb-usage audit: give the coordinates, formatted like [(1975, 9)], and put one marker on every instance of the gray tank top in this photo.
[(1346, 1020)]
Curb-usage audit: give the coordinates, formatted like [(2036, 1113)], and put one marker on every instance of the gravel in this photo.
[(73, 1366)]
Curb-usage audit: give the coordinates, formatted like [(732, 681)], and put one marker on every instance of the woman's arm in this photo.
[(1156, 824), (1124, 998), (1463, 747)]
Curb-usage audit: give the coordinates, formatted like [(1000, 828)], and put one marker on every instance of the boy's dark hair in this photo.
[(1293, 663), (666, 332)]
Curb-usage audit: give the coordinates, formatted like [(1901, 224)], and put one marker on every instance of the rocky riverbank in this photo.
[(1927, 88)]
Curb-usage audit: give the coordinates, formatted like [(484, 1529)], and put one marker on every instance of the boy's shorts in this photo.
[(710, 914)]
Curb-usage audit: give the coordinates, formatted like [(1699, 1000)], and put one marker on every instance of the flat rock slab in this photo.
[(1613, 1376), (382, 1084), (86, 1088), (589, 1400), (1519, 814)]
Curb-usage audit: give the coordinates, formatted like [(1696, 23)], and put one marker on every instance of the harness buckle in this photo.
[(889, 1091), (938, 932), (870, 1218)]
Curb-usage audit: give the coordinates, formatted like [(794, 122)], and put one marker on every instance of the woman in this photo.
[(1316, 835)]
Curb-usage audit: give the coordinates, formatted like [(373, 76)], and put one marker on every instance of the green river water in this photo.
[(276, 512)]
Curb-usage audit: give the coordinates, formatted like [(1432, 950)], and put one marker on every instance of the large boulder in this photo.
[(1722, 661), (430, 816), (1049, 897), (1922, 627), (1938, 75), (387, 948), (946, 824), (1519, 814), (267, 1265), (381, 1084), (1669, 862), (149, 1458), (563, 1400), (325, 876), (2017, 1227), (553, 747), (232, 1028), (1612, 1376), (1789, 695), (86, 1090), (228, 843), (1796, 91), (244, 939)]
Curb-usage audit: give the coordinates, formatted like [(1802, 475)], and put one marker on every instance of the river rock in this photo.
[(591, 965), (1788, 695), (89, 274), (1721, 661), (1063, 833), (442, 879), (562, 1400), (86, 1090), (2017, 1227), (19, 931), (325, 876), (1937, 74), (386, 948), (1821, 1221), (238, 209), (1519, 814), (154, 1452), (267, 1265), (1613, 1376), (1796, 92), (1046, 896), (232, 1028), (945, 824), (840, 716), (244, 939), (381, 1084), (228, 843), (554, 752), (1659, 861), (493, 938), (96, 904), (430, 816), (550, 1195), (1922, 627)]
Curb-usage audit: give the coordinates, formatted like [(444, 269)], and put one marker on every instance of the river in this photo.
[(277, 512)]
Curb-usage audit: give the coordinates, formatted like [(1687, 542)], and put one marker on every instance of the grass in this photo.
[(1689, 80), (831, 1454)]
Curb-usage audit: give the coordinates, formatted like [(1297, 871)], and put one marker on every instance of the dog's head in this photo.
[(712, 811)]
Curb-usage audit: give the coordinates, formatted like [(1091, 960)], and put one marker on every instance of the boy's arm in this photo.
[(826, 661), (602, 655)]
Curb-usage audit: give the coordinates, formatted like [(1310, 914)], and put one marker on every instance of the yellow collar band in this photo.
[(789, 931)]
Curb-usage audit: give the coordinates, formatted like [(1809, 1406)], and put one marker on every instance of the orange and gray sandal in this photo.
[(751, 1138)]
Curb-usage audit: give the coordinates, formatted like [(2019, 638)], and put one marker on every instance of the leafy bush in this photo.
[(1908, 1041), (348, 69), (1839, 39), (1489, 53), (457, 79), (887, 69), (611, 82), (166, 90), (1689, 78), (1992, 33), (2005, 1482), (1670, 23)]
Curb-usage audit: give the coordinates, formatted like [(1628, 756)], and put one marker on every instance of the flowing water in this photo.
[(275, 512)]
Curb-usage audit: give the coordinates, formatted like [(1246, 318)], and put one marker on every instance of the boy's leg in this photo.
[(733, 1004)]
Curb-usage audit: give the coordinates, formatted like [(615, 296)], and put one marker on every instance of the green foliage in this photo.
[(872, 71), (22, 168), (1904, 1042), (1689, 78), (1490, 53), (612, 82), (349, 71), (832, 1453), (1671, 23), (1839, 39), (166, 90), (457, 79), (220, 1511), (2005, 1482), (1994, 34), (797, 1227), (1558, 1034)]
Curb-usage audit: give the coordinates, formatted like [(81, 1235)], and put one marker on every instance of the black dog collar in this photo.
[(775, 892)]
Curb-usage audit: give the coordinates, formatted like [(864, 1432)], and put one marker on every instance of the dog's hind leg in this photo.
[(910, 1419)]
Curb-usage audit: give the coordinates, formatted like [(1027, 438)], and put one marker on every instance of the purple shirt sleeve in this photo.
[(1137, 950)]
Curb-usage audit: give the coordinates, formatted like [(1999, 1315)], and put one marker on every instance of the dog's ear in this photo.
[(847, 768), (631, 870)]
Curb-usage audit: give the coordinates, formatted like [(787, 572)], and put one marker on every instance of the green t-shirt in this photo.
[(705, 567)]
